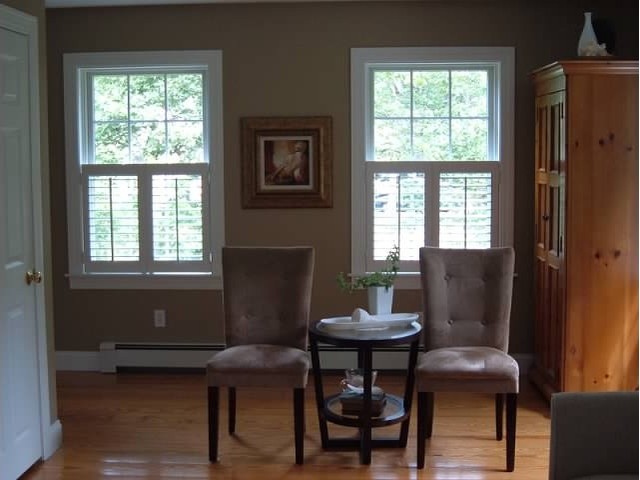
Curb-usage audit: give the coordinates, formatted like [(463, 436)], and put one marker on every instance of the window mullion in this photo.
[(111, 223), (369, 111), (145, 209), (399, 209), (496, 185), (129, 114), (166, 120), (86, 243), (432, 204), (370, 212), (89, 133), (450, 115), (492, 118), (176, 192), (466, 212), (411, 118)]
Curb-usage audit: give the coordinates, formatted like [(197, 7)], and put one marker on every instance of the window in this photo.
[(144, 169), (432, 138)]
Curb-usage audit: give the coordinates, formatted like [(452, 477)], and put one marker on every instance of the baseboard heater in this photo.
[(120, 355)]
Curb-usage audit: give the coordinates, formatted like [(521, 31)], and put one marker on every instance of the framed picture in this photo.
[(286, 162)]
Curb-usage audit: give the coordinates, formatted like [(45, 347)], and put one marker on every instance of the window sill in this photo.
[(407, 281), (114, 281)]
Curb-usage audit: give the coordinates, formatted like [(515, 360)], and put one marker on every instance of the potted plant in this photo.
[(379, 285)]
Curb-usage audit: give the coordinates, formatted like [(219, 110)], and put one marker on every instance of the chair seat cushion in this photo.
[(259, 365), (467, 369)]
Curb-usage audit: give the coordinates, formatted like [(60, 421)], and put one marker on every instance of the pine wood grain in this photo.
[(602, 278), (143, 425), (586, 245)]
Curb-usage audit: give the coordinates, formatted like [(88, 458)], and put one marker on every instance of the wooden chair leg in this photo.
[(299, 423), (232, 409), (512, 406), (213, 404), (423, 407), (429, 426), (499, 414)]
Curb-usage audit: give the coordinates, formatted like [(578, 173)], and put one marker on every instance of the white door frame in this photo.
[(20, 22)]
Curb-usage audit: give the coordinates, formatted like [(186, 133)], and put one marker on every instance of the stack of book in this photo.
[(352, 402)]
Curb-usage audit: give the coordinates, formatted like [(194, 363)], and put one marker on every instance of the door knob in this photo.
[(33, 277)]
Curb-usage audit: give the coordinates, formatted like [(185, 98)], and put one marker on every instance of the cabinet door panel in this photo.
[(540, 224), (555, 339), (555, 229), (549, 236)]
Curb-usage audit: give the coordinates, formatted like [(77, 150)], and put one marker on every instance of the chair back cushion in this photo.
[(267, 295), (466, 296)]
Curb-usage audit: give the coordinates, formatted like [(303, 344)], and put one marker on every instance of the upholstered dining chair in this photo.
[(266, 299), (467, 305)]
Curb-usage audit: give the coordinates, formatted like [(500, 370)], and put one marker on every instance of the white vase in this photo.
[(588, 40), (380, 300)]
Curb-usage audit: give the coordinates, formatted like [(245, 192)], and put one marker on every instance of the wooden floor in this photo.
[(149, 425)]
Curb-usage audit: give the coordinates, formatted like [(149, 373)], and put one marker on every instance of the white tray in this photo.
[(391, 320)]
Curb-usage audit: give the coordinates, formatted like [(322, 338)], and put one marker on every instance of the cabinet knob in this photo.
[(545, 217)]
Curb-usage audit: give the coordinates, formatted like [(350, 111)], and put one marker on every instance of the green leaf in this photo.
[(383, 278)]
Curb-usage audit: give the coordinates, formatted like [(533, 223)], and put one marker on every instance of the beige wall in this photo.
[(293, 59)]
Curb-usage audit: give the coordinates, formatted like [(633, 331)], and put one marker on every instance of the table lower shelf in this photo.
[(356, 443), (393, 413)]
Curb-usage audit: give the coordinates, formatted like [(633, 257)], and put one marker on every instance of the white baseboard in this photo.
[(78, 361), (113, 355)]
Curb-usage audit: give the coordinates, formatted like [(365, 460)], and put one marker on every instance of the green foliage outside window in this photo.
[(148, 118), (431, 115)]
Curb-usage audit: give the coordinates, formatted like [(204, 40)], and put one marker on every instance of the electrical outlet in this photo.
[(159, 318)]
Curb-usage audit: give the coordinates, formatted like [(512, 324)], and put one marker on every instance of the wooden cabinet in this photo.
[(586, 226)]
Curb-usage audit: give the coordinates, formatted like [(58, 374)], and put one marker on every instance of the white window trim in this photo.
[(364, 59), (73, 63)]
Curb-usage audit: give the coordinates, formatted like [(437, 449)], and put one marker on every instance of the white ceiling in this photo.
[(121, 3)]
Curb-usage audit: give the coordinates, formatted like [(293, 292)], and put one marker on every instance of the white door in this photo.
[(20, 436)]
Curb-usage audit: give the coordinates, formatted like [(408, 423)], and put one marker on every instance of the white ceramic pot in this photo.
[(380, 300)]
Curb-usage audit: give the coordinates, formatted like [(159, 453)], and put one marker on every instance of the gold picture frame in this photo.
[(286, 162)]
